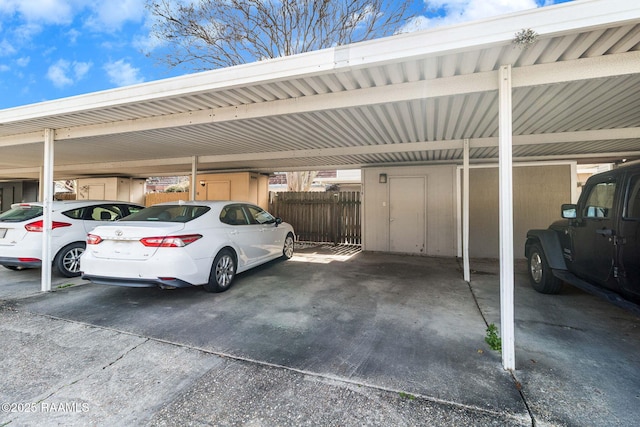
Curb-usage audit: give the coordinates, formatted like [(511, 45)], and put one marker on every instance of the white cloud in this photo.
[(110, 16), (103, 16), (73, 35), (122, 73), (4, 68), (42, 11), (23, 61), (457, 11), (64, 73), (6, 48)]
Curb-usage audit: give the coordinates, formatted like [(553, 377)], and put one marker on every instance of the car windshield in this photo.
[(168, 213), (21, 213)]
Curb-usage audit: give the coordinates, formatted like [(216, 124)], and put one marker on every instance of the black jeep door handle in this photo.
[(605, 231)]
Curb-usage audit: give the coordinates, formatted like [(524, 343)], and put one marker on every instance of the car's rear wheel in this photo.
[(67, 261), (223, 271), (540, 274), (287, 250)]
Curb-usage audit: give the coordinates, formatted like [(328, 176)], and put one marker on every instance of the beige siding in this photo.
[(440, 206), (538, 192), (240, 186), (110, 188)]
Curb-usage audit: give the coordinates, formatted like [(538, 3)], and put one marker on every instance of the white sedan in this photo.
[(182, 244), (21, 232)]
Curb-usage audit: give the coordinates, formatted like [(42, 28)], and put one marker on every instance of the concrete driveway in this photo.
[(331, 337)]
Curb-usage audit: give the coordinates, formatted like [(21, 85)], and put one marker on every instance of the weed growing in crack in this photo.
[(492, 338)]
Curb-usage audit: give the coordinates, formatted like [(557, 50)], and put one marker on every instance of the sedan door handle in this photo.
[(233, 232)]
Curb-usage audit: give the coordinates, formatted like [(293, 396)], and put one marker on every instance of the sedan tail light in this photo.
[(170, 241), (37, 226), (92, 239)]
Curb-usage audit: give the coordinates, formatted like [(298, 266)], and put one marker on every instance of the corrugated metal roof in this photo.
[(407, 99)]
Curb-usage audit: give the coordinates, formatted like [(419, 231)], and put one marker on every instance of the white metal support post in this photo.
[(465, 213), (46, 183), (505, 173), (194, 176)]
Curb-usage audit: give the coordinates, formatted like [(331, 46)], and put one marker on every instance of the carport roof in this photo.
[(407, 99)]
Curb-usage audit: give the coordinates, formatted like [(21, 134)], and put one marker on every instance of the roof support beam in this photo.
[(578, 69), (505, 174), (465, 213), (554, 138), (47, 200), (194, 176)]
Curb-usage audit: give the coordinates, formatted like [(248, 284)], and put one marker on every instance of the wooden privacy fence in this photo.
[(324, 217)]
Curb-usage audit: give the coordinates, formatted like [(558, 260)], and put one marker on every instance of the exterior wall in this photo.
[(263, 191), (440, 233), (17, 192), (111, 188), (10, 192), (538, 192), (240, 186)]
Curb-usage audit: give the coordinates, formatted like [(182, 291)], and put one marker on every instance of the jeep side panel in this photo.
[(550, 245), (629, 238), (593, 233)]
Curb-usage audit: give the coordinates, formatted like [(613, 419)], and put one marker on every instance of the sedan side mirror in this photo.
[(278, 221), (569, 211)]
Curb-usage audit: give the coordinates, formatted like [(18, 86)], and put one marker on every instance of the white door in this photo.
[(407, 214)]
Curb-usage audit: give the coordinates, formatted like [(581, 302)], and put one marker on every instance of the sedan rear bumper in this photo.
[(138, 283), (17, 262)]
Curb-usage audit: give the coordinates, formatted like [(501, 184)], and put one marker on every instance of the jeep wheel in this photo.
[(540, 275)]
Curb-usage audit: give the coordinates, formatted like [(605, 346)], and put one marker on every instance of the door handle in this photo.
[(605, 231)]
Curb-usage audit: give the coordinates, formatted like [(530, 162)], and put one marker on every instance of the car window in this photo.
[(233, 215), (632, 206), (131, 209), (74, 213), (259, 216), (600, 200), (105, 213), (168, 213), (21, 213)]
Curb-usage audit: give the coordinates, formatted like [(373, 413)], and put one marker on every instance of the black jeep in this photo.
[(596, 246)]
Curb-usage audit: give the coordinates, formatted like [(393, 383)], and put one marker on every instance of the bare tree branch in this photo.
[(207, 34)]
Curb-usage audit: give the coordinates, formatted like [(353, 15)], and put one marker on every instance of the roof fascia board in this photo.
[(562, 18), (547, 22)]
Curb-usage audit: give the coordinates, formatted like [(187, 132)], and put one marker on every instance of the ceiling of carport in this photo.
[(407, 99)]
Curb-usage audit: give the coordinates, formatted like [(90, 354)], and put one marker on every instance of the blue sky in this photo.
[(52, 49)]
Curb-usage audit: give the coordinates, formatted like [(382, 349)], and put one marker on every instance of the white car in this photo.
[(183, 244), (21, 232)]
